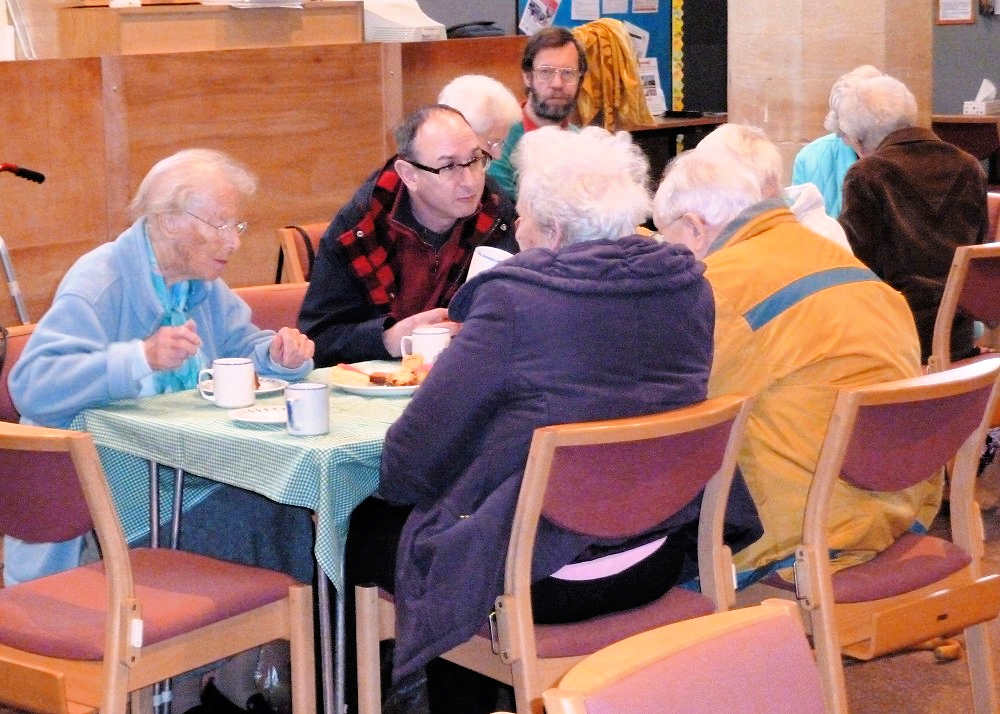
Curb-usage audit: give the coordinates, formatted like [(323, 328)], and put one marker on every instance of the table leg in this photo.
[(175, 530), (332, 701), (154, 505), (341, 651)]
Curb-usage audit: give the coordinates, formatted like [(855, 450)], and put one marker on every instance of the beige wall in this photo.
[(785, 56)]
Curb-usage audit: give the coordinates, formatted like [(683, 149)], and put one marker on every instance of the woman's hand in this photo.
[(290, 348), (168, 347)]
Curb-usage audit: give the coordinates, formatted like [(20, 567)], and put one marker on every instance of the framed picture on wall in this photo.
[(956, 12)]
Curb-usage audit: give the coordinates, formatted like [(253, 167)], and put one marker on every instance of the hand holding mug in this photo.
[(428, 342), (391, 337)]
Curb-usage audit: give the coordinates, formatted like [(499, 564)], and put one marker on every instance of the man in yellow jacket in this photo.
[(797, 318)]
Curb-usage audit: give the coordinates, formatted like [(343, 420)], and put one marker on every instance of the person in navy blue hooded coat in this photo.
[(582, 324)]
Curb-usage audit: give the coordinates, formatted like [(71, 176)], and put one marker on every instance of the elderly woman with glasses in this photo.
[(140, 316), (588, 322)]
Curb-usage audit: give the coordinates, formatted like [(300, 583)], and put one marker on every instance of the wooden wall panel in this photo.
[(50, 121), (311, 122), (428, 66), (306, 120)]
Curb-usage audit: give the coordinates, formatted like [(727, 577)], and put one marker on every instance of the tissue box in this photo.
[(990, 106)]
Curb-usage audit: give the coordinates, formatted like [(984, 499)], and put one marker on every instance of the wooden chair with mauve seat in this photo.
[(753, 659), (298, 250), (972, 289), (586, 477), (88, 638), (888, 437)]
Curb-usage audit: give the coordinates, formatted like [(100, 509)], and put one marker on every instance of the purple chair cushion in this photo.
[(63, 615), (588, 636), (910, 563)]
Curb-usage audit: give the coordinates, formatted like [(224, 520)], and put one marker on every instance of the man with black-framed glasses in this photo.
[(552, 65), (392, 258)]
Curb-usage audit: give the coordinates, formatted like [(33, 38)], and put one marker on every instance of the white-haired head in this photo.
[(579, 186), (490, 108), (874, 108), (752, 149), (701, 192), (840, 88), (175, 182)]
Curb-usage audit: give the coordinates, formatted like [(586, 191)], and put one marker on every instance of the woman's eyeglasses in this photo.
[(240, 228)]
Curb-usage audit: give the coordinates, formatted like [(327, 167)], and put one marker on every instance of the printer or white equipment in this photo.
[(399, 21)]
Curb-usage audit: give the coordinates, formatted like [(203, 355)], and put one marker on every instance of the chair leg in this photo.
[(302, 652), (979, 653), (368, 661), (826, 648)]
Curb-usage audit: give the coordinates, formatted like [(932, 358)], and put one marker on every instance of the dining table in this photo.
[(329, 474)]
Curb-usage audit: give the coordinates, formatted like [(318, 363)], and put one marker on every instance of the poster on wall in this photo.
[(645, 5), (537, 15)]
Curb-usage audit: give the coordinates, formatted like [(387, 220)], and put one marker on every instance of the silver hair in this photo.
[(841, 87), (482, 100), (174, 182), (707, 183), (876, 107), (755, 152), (591, 184)]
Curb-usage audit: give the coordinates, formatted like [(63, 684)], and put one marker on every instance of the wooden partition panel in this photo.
[(308, 121), (428, 66), (51, 121), (311, 122)]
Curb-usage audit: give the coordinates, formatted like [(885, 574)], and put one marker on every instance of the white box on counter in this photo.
[(990, 106)]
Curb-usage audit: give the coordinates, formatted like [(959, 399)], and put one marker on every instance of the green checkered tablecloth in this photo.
[(329, 474)]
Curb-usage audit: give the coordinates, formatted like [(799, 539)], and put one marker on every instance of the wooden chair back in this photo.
[(993, 213), (17, 338), (972, 288), (585, 476), (90, 636), (886, 437), (757, 657), (274, 306), (298, 250)]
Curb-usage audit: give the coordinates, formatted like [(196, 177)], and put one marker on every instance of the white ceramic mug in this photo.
[(485, 257), (232, 382), (308, 408), (428, 342)]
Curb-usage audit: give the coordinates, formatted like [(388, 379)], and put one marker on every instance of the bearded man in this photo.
[(551, 67)]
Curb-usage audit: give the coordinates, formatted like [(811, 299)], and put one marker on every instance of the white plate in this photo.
[(260, 415), (375, 390), (267, 386)]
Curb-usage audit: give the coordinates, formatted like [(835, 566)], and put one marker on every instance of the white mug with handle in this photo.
[(428, 342), (232, 382), (485, 257), (308, 408)]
